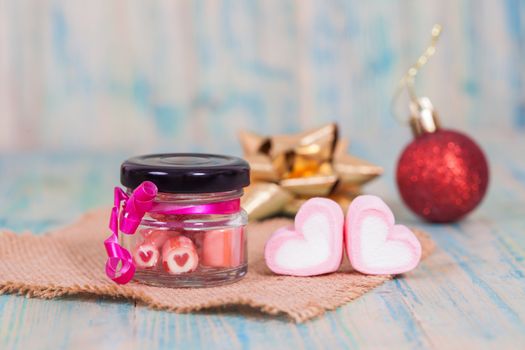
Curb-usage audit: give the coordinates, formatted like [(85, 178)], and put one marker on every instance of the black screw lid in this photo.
[(186, 172)]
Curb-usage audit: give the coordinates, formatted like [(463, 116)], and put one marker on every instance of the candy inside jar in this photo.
[(210, 256), (189, 231)]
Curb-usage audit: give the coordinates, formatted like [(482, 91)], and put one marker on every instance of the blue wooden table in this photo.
[(469, 294)]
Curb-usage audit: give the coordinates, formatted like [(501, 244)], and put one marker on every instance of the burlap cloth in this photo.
[(70, 261)]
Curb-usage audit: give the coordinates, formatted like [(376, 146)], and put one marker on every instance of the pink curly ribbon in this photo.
[(135, 206)]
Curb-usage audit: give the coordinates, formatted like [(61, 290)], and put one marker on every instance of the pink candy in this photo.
[(314, 246), (156, 237), (374, 244), (223, 248), (146, 255), (179, 255)]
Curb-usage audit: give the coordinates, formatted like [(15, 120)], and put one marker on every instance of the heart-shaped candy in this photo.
[(313, 246), (374, 244), (146, 255), (179, 255)]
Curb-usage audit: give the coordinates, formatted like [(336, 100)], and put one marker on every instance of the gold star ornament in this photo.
[(286, 170)]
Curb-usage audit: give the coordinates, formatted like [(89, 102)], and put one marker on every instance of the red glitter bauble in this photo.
[(442, 175)]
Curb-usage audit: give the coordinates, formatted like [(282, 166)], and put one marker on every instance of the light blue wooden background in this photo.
[(140, 76)]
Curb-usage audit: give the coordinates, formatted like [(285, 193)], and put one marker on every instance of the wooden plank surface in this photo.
[(469, 294)]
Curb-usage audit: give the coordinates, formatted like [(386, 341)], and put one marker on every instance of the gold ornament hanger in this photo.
[(407, 81)]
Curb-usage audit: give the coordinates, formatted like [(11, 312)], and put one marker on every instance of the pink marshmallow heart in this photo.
[(374, 244), (313, 246)]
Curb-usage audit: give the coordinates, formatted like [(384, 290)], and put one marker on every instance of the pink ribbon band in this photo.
[(226, 207), (127, 214)]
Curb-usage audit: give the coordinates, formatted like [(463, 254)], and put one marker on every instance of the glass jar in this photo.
[(191, 233)]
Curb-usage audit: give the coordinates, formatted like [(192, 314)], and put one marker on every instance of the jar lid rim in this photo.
[(186, 172)]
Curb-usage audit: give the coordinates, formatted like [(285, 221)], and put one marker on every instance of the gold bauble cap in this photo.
[(423, 118)]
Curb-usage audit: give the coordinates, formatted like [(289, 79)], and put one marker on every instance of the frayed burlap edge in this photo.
[(308, 311), (52, 292)]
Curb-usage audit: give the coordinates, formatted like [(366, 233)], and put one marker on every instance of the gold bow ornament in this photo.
[(286, 170)]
